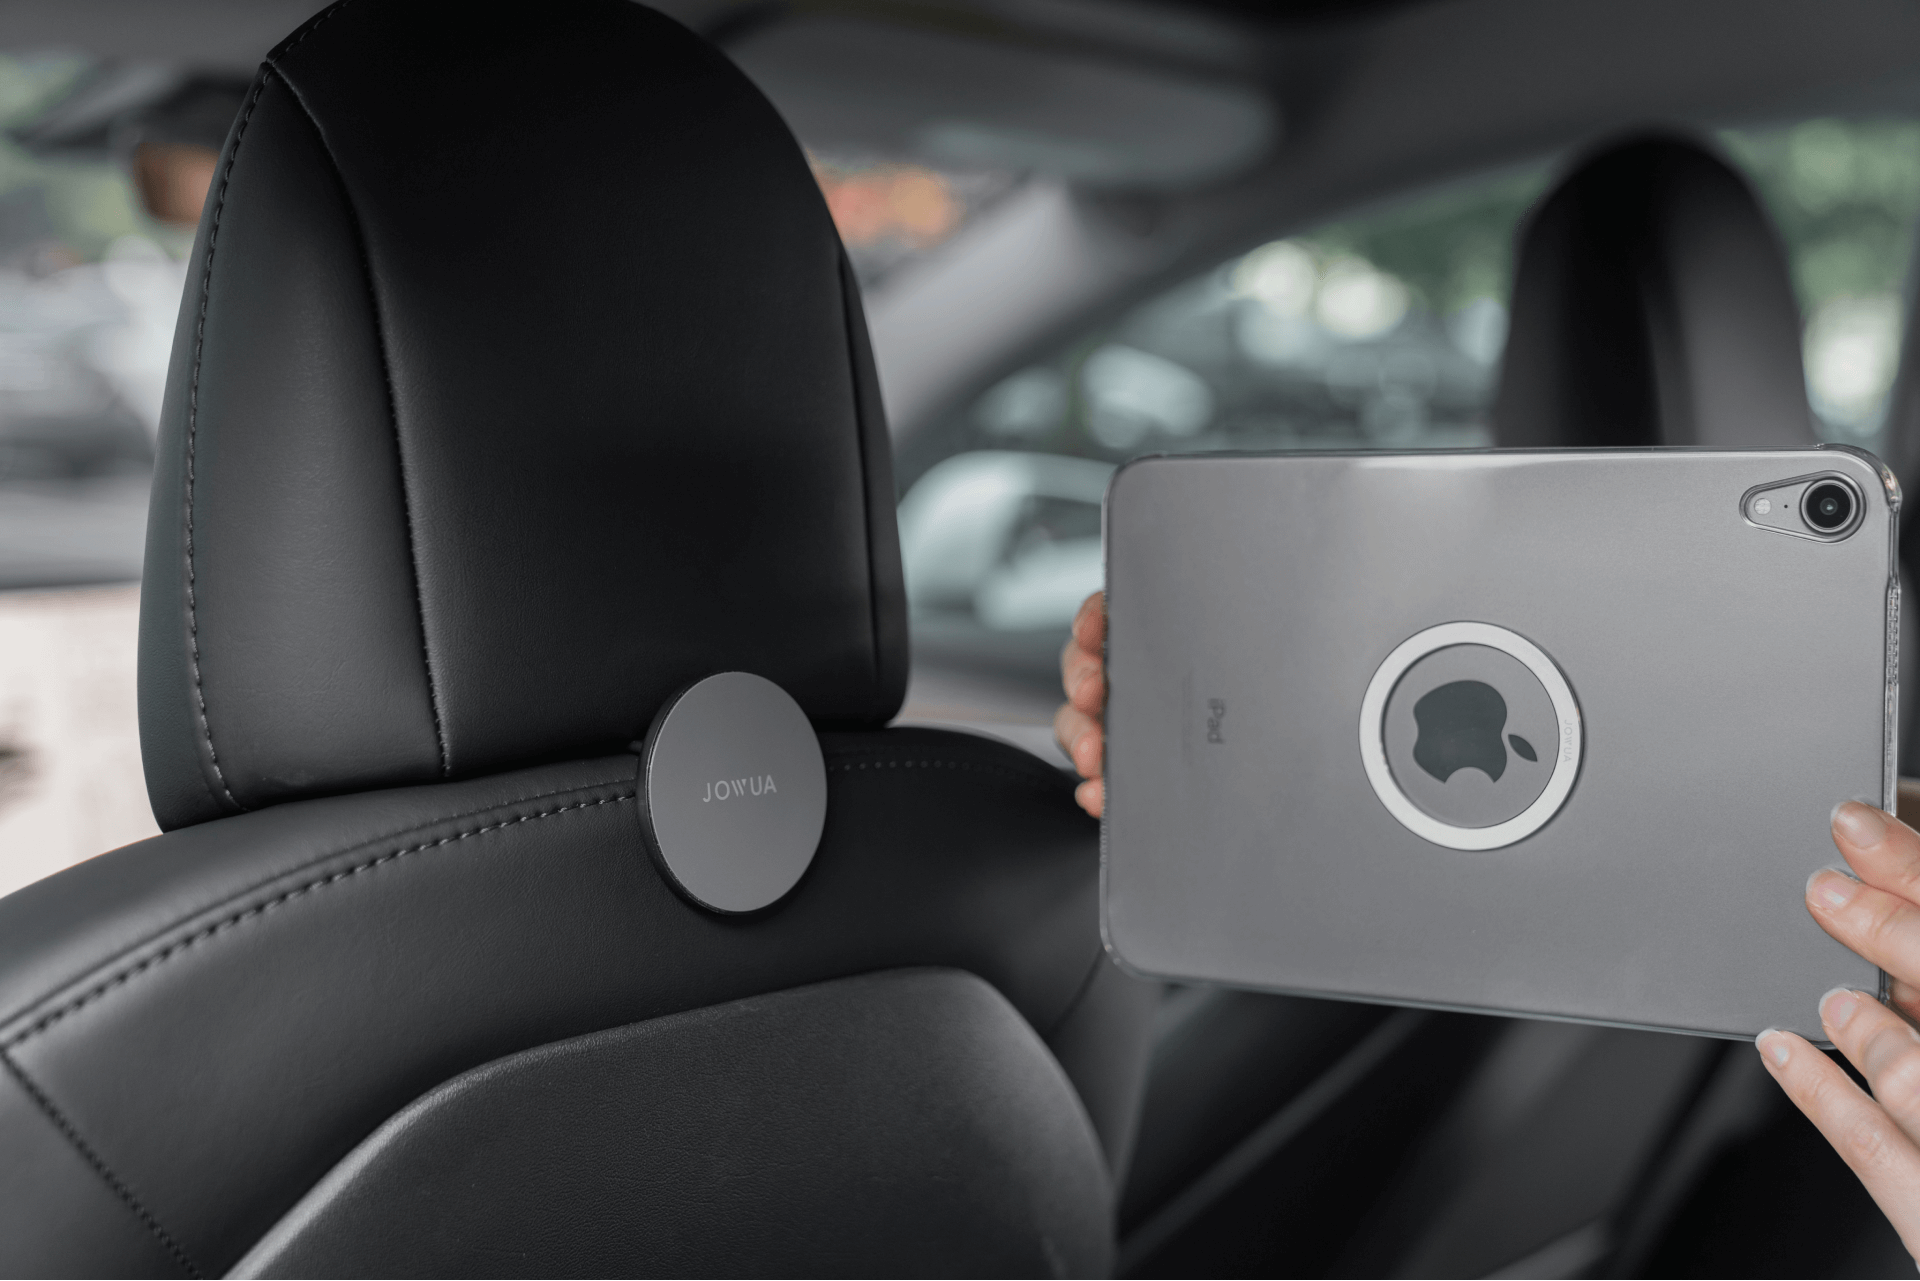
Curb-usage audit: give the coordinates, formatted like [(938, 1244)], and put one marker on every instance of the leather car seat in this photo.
[(519, 381), (1652, 306)]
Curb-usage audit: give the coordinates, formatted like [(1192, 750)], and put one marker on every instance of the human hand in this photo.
[(1878, 916), (1077, 725)]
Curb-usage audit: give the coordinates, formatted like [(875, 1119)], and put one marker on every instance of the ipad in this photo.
[(1544, 733)]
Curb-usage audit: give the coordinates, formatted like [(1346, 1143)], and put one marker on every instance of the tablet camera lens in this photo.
[(1828, 506)]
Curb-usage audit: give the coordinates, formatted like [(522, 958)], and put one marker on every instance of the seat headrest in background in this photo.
[(520, 380), (1652, 306)]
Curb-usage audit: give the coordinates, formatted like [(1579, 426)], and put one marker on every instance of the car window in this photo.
[(1382, 329), (1845, 195), (891, 213), (1379, 330), (90, 284)]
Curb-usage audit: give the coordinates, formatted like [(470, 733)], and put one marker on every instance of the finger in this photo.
[(1882, 849), (1092, 796), (1905, 998), (1882, 927), (1083, 677), (1907, 801), (1866, 1138), (1883, 1046), (1090, 623), (1080, 736)]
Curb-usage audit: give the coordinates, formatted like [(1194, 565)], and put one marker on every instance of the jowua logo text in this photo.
[(728, 789)]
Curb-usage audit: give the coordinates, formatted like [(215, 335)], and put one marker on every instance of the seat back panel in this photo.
[(930, 1122), (227, 1057)]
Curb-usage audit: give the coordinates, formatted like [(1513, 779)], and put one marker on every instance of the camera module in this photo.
[(1828, 506)]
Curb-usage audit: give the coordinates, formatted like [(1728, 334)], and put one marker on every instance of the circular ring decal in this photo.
[(1379, 710)]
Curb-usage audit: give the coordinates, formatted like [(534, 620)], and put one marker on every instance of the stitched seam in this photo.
[(234, 919), (860, 438), (393, 417), (193, 429), (393, 409), (193, 409), (491, 807), (243, 891), (316, 25), (932, 763), (99, 1167), (406, 504)]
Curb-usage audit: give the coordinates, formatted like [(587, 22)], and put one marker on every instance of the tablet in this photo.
[(1545, 733)]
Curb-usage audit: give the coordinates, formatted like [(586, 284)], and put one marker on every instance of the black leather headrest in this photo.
[(520, 380), (1652, 306)]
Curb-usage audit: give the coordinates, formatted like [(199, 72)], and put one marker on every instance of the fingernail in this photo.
[(1775, 1046), (1837, 1006), (1831, 889), (1860, 825), (1088, 796)]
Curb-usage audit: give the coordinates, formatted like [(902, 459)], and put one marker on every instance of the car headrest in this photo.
[(520, 380), (1652, 306)]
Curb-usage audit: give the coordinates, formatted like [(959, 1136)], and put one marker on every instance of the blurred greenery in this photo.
[(84, 204), (29, 83), (1449, 246), (1845, 195)]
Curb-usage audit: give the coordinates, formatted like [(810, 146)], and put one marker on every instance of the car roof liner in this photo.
[(1652, 306), (520, 381)]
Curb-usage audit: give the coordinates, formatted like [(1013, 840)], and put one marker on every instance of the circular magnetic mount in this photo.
[(734, 792), (1470, 736)]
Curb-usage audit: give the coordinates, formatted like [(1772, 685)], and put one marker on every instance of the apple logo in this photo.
[(1460, 725), (1436, 740)]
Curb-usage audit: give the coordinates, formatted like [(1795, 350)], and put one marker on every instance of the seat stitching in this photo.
[(866, 480), (934, 763), (406, 506), (193, 403), (99, 1166), (393, 417), (314, 25), (234, 919), (193, 429), (8, 1016)]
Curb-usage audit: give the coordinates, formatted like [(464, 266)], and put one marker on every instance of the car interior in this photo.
[(400, 401)]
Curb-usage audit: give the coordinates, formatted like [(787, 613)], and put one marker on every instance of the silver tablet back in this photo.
[(1553, 734)]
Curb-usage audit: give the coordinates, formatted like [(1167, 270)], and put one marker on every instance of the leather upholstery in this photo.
[(1652, 306), (460, 468), (520, 379), (213, 1018), (918, 1147)]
